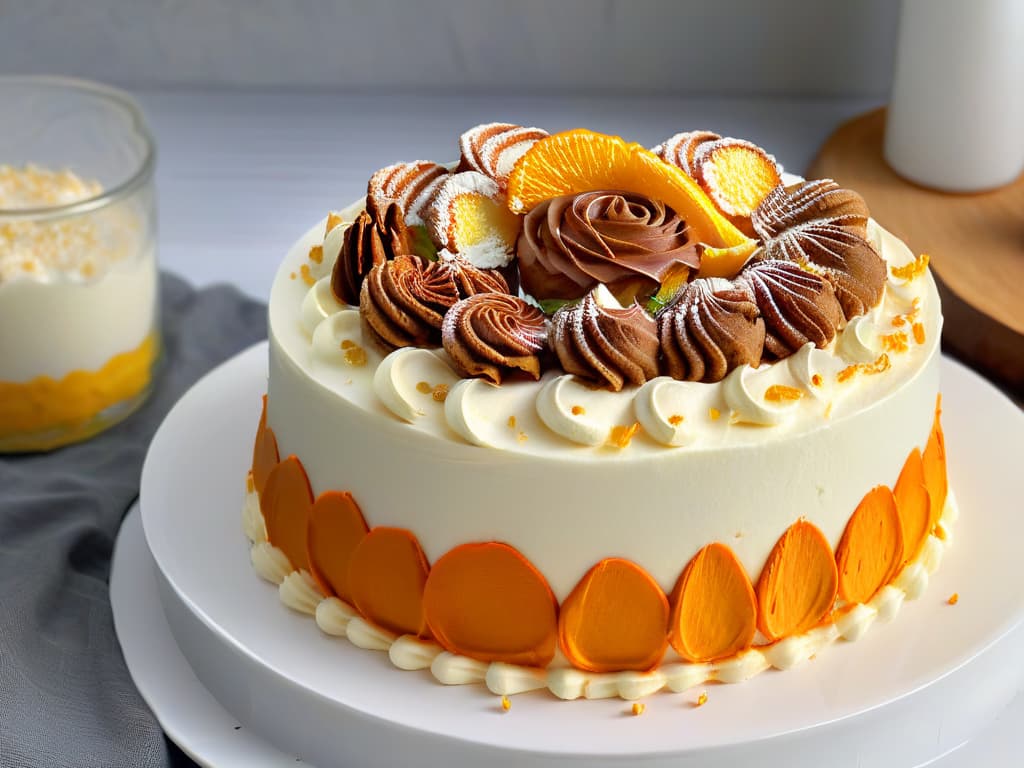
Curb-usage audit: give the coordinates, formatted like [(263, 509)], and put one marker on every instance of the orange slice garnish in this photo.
[(582, 161)]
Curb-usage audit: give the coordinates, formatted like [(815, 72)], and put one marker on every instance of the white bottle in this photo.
[(956, 116)]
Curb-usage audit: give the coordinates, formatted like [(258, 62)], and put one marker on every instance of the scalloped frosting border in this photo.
[(299, 591)]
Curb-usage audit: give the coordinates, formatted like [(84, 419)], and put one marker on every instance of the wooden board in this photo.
[(975, 241)]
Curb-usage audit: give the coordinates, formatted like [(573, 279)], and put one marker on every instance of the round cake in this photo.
[(578, 415)]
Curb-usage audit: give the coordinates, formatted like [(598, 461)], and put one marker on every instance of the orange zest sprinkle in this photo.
[(307, 275), (347, 344), (816, 380), (702, 699), (292, 275), (895, 342), (848, 372), (620, 436), (714, 414), (899, 321), (333, 220), (423, 387), (440, 393), (578, 410), (779, 393), (880, 365), (918, 329), (638, 708), (675, 419), (355, 355), (506, 703), (522, 437), (913, 269), (511, 422), (954, 598), (316, 254), (828, 410)]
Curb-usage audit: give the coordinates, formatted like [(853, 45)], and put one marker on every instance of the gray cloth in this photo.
[(66, 698)]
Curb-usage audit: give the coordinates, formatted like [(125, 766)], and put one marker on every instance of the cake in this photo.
[(78, 296), (576, 415)]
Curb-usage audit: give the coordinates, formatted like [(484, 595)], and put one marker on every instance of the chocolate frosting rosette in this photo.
[(624, 240)]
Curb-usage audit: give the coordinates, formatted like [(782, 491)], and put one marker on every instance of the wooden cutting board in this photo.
[(975, 241)]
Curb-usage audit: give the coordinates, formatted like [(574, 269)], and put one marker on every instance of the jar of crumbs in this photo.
[(79, 339)]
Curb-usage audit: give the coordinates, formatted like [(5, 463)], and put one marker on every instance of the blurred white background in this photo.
[(268, 113), (721, 47)]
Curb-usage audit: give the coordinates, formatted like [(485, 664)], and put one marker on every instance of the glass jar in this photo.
[(79, 337)]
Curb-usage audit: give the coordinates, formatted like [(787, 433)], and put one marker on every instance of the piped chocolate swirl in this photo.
[(797, 306), (492, 334), (403, 301), (823, 228), (373, 238), (712, 327), (611, 346)]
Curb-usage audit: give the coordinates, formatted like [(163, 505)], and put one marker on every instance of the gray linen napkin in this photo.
[(66, 698)]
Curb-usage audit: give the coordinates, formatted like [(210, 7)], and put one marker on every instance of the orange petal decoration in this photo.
[(871, 549), (914, 505), (798, 584), (714, 610), (616, 618), (336, 527), (487, 601), (264, 451), (935, 467), (386, 576), (286, 502)]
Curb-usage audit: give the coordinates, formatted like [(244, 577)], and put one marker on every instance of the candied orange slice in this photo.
[(735, 174), (582, 161)]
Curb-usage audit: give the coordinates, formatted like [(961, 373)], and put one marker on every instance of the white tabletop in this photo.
[(242, 173)]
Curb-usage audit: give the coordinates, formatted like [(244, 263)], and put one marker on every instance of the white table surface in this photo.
[(242, 173)]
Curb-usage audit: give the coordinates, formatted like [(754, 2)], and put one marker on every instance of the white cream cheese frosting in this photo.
[(532, 464)]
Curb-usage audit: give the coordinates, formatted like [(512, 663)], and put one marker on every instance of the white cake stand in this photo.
[(906, 694)]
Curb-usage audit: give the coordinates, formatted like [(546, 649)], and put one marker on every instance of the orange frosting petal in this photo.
[(871, 548), (286, 502), (798, 584), (714, 611), (336, 527), (935, 467), (615, 618), (913, 504), (264, 451), (386, 576), (487, 601)]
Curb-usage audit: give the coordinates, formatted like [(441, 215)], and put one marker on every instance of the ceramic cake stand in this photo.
[(274, 689)]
